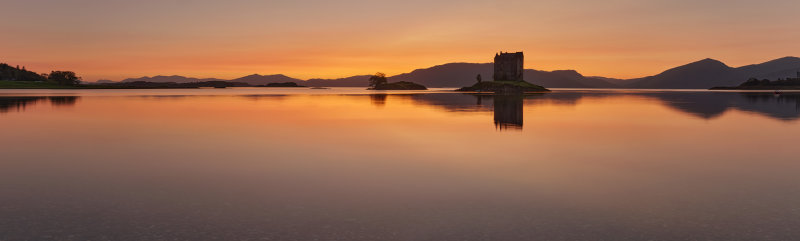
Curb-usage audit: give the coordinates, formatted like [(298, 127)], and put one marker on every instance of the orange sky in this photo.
[(116, 39)]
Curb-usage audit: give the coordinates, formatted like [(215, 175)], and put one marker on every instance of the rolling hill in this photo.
[(709, 73)]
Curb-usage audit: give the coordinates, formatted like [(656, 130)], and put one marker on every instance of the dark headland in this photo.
[(20, 78), (508, 76), (765, 84)]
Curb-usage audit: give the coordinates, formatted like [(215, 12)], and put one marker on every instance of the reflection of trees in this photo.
[(19, 103), (63, 100), (789, 98), (785, 106), (508, 112), (378, 99)]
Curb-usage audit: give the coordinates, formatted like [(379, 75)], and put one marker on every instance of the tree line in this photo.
[(10, 73)]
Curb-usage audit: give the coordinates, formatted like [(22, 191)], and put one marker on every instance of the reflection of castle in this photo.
[(508, 66), (508, 112)]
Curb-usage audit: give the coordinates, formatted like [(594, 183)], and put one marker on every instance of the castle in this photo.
[(508, 66)]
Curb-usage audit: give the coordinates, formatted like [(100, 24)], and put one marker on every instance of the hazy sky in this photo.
[(116, 39)]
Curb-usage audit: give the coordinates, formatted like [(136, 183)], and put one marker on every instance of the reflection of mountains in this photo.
[(709, 105), (19, 103), (706, 105)]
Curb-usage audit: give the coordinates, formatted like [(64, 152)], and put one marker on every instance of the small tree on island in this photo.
[(479, 78), (64, 77), (377, 79)]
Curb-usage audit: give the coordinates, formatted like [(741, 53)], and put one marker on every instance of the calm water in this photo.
[(343, 164)]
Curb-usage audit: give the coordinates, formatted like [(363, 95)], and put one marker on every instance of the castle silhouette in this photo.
[(508, 66)]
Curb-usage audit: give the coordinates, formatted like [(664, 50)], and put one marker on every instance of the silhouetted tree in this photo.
[(377, 79), (64, 77), (8, 72), (479, 78)]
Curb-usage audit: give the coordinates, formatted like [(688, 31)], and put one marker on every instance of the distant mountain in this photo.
[(447, 75), (615, 81), (174, 78), (256, 79), (702, 74), (353, 81), (104, 81), (709, 73), (565, 79), (779, 68)]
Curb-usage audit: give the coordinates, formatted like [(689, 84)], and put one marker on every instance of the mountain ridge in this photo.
[(701, 74), (708, 73)]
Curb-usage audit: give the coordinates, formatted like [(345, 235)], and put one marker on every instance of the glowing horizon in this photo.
[(318, 39)]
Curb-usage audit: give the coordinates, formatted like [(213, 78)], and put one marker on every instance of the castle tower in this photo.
[(508, 66)]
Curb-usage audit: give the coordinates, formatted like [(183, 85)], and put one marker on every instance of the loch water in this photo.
[(350, 164)]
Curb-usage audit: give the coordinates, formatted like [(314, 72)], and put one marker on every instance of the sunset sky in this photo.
[(117, 39)]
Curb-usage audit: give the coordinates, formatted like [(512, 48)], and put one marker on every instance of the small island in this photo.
[(402, 85), (508, 68), (380, 82), (765, 84), (503, 87)]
